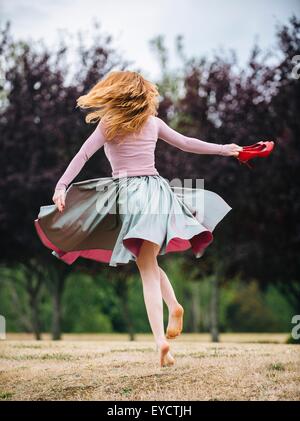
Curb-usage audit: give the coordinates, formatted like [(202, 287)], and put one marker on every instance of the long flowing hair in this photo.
[(122, 100)]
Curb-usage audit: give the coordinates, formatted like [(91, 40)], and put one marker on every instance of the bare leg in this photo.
[(167, 291), (175, 309), (150, 274)]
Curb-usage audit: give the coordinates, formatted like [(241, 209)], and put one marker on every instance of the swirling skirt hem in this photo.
[(198, 243), (88, 229)]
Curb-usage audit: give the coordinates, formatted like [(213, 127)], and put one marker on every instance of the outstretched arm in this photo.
[(94, 142), (192, 144)]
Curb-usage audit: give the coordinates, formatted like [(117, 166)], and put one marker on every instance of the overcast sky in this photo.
[(206, 26)]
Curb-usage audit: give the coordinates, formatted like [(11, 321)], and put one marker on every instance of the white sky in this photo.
[(206, 25)]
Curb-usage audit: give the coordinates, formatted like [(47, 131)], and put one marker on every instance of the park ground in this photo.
[(109, 367)]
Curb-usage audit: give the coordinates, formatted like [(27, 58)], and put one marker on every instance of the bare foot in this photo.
[(166, 358), (175, 322)]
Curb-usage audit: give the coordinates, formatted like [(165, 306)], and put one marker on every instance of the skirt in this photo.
[(107, 219)]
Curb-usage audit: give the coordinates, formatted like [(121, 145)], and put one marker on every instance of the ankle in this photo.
[(174, 306), (161, 342)]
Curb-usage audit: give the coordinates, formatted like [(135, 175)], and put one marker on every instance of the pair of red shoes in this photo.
[(257, 150)]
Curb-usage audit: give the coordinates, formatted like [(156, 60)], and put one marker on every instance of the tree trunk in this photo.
[(214, 309), (195, 307), (34, 279), (187, 298), (57, 281), (128, 320), (36, 325), (123, 293), (56, 315)]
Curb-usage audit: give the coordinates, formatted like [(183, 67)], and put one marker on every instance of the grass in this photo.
[(5, 396), (126, 391), (109, 367), (40, 357), (277, 367)]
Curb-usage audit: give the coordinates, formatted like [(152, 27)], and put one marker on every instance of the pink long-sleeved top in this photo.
[(135, 155)]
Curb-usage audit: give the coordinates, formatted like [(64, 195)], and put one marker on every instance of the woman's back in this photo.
[(134, 154)]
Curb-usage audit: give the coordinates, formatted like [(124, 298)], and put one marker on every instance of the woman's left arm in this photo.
[(192, 144)]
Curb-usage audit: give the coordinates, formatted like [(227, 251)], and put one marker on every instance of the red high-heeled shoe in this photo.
[(257, 150), (254, 146)]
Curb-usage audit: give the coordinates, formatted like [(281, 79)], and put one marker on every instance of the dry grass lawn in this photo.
[(109, 367)]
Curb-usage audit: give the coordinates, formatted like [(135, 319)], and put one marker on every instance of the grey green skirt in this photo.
[(107, 219)]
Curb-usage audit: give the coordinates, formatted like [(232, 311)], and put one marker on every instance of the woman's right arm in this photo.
[(94, 142)]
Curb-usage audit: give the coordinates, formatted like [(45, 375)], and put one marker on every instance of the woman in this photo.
[(92, 219)]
